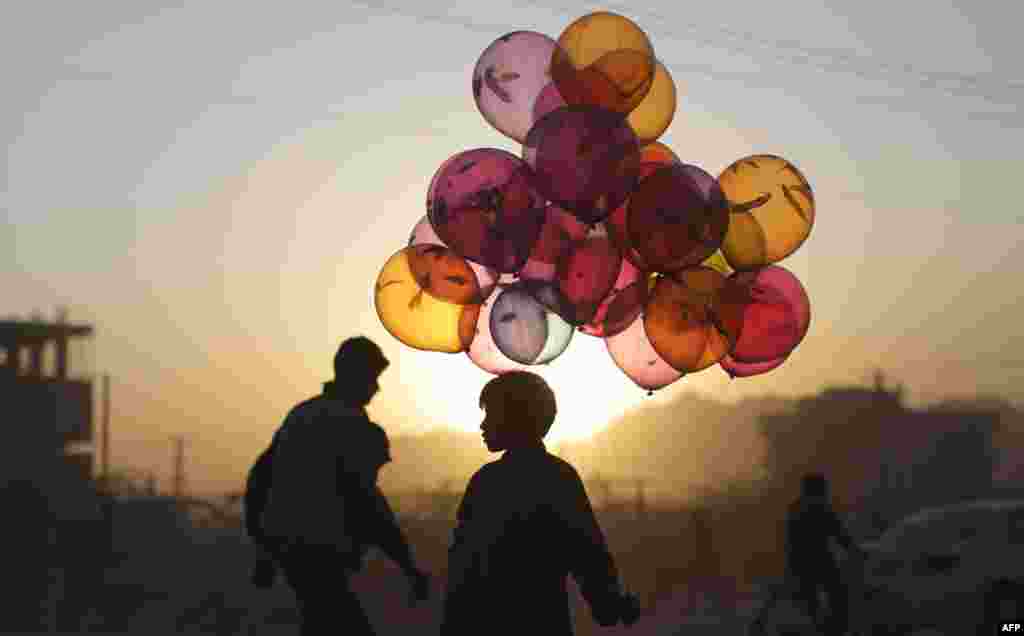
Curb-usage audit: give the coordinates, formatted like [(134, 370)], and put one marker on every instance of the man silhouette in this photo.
[(810, 524), (524, 523), (323, 507)]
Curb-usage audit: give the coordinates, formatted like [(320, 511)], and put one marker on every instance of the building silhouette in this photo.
[(52, 514)]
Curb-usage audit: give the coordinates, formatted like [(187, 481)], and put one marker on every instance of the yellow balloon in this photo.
[(771, 210), (718, 263), (415, 317), (655, 112)]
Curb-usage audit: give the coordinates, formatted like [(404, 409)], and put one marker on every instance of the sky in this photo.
[(215, 186)]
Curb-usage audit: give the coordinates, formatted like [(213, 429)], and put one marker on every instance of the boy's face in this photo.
[(494, 428)]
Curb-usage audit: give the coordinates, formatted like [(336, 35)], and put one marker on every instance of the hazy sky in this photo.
[(216, 186)]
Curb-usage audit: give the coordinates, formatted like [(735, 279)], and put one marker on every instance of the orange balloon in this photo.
[(652, 116), (603, 59), (691, 319)]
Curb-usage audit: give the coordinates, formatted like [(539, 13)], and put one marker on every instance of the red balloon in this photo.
[(671, 223), (736, 369), (623, 304), (776, 315), (560, 231), (587, 274)]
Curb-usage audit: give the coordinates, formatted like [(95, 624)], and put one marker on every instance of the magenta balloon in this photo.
[(483, 352), (585, 159), (509, 77), (486, 278), (557, 236), (587, 274), (525, 330), (777, 316), (622, 305), (736, 369), (634, 355), (483, 205)]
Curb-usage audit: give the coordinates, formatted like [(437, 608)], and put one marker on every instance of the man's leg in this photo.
[(326, 602)]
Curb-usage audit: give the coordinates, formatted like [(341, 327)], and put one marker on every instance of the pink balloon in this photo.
[(424, 232), (777, 316), (736, 369), (632, 278), (549, 100), (636, 357), (508, 79)]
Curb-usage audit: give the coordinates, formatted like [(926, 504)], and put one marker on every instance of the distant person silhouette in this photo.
[(810, 525), (322, 508), (523, 525)]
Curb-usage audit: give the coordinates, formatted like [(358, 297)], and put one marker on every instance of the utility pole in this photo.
[(179, 466), (105, 433)]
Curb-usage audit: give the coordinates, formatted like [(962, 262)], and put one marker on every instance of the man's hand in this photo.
[(419, 586)]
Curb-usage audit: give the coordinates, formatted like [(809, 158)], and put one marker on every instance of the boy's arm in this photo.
[(590, 561), (457, 559)]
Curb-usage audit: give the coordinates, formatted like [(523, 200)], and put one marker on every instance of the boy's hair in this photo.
[(814, 485), (526, 397)]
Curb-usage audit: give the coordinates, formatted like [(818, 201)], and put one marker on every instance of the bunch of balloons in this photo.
[(598, 228)]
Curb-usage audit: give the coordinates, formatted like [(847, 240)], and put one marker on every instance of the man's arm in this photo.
[(591, 563), (840, 533), (388, 535)]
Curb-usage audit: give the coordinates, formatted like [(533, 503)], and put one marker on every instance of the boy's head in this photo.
[(519, 409), (814, 485)]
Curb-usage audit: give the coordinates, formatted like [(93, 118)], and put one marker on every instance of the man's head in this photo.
[(814, 485), (357, 366), (519, 408)]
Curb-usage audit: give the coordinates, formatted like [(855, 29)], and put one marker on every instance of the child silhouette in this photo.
[(523, 525)]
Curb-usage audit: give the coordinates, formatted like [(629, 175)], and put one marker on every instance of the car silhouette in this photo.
[(955, 569)]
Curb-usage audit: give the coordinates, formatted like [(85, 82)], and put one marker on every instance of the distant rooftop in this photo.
[(35, 331)]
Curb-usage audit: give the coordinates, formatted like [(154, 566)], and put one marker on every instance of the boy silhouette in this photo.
[(810, 525), (524, 523)]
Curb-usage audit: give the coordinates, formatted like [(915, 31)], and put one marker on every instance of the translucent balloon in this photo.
[(736, 369), (525, 330), (584, 159), (775, 317), (651, 118), (771, 210), (483, 352), (424, 234), (483, 205), (622, 305), (587, 274), (444, 274), (603, 59), (670, 221), (633, 353), (509, 77), (557, 236), (689, 321), (415, 317), (652, 157), (548, 100)]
